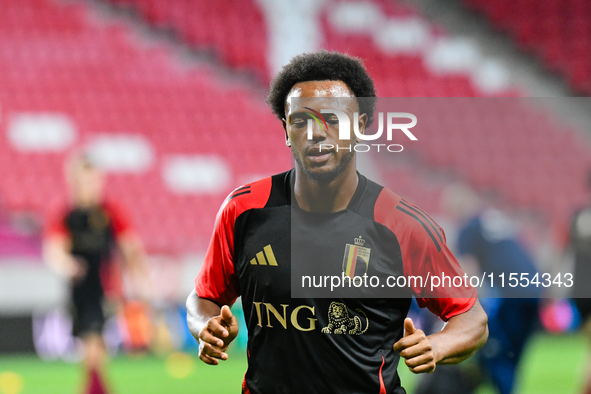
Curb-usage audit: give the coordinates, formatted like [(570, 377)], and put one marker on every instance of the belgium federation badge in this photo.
[(356, 259)]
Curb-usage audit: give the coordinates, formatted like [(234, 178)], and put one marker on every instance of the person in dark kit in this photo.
[(79, 241), (320, 345)]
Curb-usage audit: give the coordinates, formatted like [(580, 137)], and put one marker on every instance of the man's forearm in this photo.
[(462, 336), (199, 311)]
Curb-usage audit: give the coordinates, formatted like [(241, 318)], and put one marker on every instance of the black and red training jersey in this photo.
[(93, 233), (312, 344)]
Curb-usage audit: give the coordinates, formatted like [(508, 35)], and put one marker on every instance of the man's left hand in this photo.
[(416, 349)]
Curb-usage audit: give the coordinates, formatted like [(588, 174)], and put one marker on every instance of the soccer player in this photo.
[(324, 345), (78, 242)]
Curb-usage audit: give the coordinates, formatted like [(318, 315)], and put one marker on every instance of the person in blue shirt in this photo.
[(488, 242)]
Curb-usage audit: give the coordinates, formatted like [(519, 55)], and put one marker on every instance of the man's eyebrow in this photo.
[(299, 115)]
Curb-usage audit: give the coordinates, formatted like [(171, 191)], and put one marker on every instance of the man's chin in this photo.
[(321, 175), (324, 172)]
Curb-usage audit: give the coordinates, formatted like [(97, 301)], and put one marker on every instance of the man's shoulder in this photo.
[(473, 223), (112, 207), (405, 219), (269, 191), (55, 218), (387, 208)]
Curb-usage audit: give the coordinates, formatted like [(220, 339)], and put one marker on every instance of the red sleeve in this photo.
[(55, 225), (217, 280), (119, 218), (425, 254)]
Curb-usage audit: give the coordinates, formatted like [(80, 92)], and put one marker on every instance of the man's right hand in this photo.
[(216, 336), (75, 268)]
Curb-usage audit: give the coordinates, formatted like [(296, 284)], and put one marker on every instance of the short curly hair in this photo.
[(322, 66)]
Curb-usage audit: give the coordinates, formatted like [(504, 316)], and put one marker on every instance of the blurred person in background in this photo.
[(79, 241), (579, 246), (488, 242)]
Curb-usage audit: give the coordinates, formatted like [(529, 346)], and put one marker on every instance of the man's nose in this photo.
[(318, 131)]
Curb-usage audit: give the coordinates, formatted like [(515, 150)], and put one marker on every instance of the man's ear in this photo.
[(362, 124)]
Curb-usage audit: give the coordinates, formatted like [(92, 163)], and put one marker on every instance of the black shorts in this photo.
[(87, 311)]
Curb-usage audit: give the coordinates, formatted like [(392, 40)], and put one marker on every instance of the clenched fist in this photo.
[(216, 336)]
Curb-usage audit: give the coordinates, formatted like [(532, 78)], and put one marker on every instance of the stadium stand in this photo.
[(408, 57), (218, 26), (556, 31), (176, 141)]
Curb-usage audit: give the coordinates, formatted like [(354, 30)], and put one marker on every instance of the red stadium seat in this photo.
[(551, 29)]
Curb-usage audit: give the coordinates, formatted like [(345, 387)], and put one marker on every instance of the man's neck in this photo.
[(327, 197), (85, 203)]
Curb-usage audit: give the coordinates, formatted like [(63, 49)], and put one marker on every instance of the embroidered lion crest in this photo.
[(339, 321)]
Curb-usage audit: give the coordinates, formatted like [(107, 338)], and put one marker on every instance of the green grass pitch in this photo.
[(552, 365)]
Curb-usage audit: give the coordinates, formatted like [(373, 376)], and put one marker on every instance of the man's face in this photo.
[(315, 157), (86, 183)]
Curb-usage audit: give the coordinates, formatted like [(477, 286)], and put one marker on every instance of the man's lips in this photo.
[(318, 155), (318, 151)]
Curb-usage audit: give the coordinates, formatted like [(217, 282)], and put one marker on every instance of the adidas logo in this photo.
[(261, 260)]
